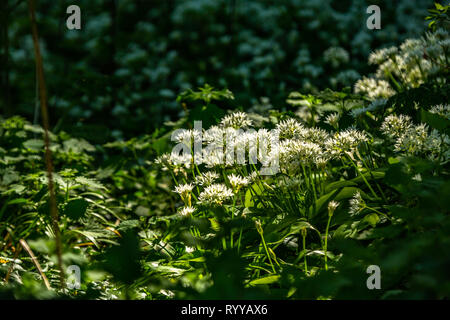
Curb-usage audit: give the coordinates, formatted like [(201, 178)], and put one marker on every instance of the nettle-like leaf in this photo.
[(206, 94), (78, 145), (89, 183)]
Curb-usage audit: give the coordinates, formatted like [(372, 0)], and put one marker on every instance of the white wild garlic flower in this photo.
[(333, 120), (295, 153), (381, 55), (441, 110), (411, 64), (215, 194), (357, 204), (236, 120), (394, 126), (237, 181), (164, 161), (332, 206), (187, 136), (252, 177), (206, 178), (374, 88), (315, 135), (187, 211), (345, 141), (417, 140), (184, 190), (290, 129), (184, 160)]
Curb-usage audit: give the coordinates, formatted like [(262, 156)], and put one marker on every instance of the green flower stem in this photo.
[(239, 241), (173, 177), (304, 250), (371, 175), (313, 182), (232, 216), (379, 212), (325, 246), (267, 251), (363, 177)]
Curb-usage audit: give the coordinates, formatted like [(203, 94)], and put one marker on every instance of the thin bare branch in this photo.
[(24, 244), (48, 155)]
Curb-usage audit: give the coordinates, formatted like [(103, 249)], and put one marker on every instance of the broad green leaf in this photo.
[(252, 194), (337, 195), (264, 280), (18, 201), (435, 121), (76, 209), (373, 175), (339, 184)]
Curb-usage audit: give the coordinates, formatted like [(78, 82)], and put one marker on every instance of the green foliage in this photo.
[(439, 16), (363, 177)]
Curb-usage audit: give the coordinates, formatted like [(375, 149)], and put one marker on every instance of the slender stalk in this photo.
[(267, 252), (24, 244), (379, 212), (239, 240), (232, 216), (304, 250), (313, 182), (363, 177), (373, 178), (48, 155), (261, 233), (326, 241)]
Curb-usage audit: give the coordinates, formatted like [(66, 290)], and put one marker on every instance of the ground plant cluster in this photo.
[(260, 202)]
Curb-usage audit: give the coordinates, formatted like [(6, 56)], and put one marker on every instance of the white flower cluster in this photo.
[(289, 147), (416, 139), (374, 88), (345, 142), (357, 204), (187, 211), (408, 66), (206, 178), (185, 190), (215, 195), (333, 120), (237, 181), (295, 155), (394, 126), (296, 149), (236, 120), (441, 110), (290, 129)]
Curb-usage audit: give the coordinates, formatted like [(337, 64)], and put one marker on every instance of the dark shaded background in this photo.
[(120, 74)]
